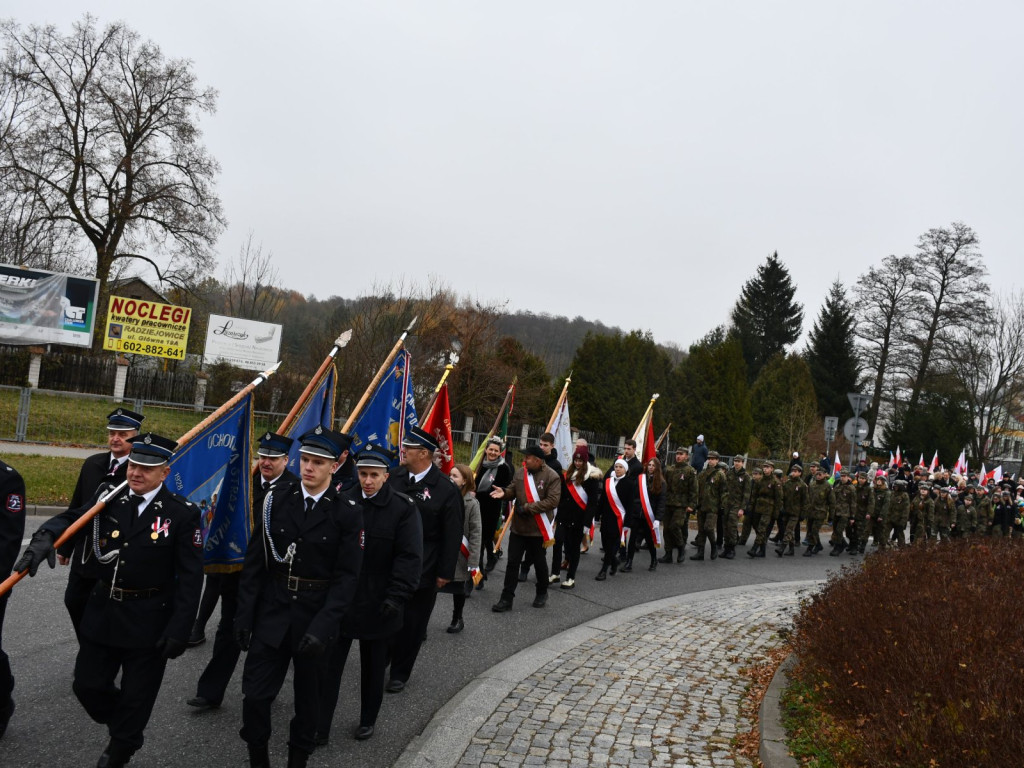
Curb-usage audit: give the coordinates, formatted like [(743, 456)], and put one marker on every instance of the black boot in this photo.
[(259, 757), (602, 574), (681, 555), (762, 552), (790, 550), (615, 567), (730, 553), (297, 758), (810, 550), (667, 557), (628, 567), (654, 563), (714, 551), (699, 555)]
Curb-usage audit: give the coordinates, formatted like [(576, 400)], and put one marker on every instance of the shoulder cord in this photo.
[(289, 554)]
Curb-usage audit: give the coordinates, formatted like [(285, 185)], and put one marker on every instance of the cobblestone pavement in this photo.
[(658, 688)]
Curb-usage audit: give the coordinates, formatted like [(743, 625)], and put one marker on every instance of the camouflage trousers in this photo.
[(792, 527), (880, 532), (858, 532), (839, 522), (676, 525), (750, 521), (765, 521), (730, 528), (707, 528), (814, 530)]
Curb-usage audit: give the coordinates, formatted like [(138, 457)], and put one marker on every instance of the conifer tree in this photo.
[(831, 354), (766, 316)]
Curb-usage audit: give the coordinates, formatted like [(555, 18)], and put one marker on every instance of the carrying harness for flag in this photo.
[(645, 504), (545, 526)]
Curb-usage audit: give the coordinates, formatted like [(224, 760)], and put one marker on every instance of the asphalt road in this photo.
[(51, 729)]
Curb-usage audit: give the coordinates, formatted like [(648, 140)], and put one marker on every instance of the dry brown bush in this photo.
[(921, 654)]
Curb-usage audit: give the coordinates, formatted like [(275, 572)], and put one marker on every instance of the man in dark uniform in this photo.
[(299, 579), (392, 563), (107, 467), (272, 464), (12, 529), (440, 506), (148, 550)]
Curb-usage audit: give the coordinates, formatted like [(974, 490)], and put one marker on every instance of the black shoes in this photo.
[(602, 574), (363, 732), (667, 557), (5, 716), (457, 625), (502, 605), (729, 553), (198, 637), (698, 556), (395, 686), (202, 703), (628, 567), (540, 600), (259, 757)]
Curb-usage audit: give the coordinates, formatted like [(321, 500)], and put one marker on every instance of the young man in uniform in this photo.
[(12, 529), (299, 579)]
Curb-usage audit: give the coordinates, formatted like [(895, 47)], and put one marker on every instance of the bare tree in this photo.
[(989, 368), (252, 284), (949, 296), (882, 306), (104, 143)]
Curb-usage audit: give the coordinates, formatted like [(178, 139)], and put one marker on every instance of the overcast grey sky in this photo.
[(629, 162)]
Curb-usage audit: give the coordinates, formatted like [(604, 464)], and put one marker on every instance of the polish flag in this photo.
[(960, 468), (935, 463)]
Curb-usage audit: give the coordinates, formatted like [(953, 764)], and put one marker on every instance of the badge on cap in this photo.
[(147, 440), (318, 431), (267, 436)]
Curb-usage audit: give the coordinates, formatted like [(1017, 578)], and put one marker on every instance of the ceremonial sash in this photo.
[(464, 547), (578, 493), (544, 525), (645, 504), (615, 503)]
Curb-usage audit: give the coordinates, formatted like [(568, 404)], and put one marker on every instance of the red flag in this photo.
[(649, 450), (439, 424)]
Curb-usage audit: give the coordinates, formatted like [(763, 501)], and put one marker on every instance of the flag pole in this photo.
[(339, 344), (647, 414), (558, 403), (437, 390), (657, 443), (98, 507), (376, 379), (504, 403)]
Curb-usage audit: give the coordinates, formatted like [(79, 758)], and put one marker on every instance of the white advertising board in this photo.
[(247, 344)]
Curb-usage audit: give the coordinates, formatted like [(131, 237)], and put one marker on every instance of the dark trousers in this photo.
[(488, 527), (610, 538), (262, 678), (215, 678), (530, 551), (125, 710), (212, 589), (6, 678), (571, 535), (640, 536), (373, 660), (405, 644), (76, 594)]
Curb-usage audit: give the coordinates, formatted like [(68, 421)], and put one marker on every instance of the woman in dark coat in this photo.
[(493, 473), (577, 507), (652, 484)]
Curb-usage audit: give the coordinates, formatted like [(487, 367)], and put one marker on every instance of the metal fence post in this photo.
[(24, 405)]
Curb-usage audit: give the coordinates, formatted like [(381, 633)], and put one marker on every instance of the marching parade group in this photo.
[(353, 548)]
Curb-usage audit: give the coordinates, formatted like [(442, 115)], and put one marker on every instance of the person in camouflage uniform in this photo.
[(865, 505), (845, 511), (922, 508), (984, 505), (794, 505), (711, 502), (766, 502), (820, 504), (737, 491), (967, 516), (899, 512), (880, 515), (748, 520), (680, 496), (945, 514)]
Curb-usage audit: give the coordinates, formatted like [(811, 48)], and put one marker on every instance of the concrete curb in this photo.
[(773, 750), (451, 730)]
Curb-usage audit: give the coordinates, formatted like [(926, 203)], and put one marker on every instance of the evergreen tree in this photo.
[(766, 316), (831, 354)]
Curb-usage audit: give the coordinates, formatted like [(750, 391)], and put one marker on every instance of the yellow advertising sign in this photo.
[(140, 327)]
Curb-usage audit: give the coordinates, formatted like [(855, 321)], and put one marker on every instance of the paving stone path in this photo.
[(663, 688)]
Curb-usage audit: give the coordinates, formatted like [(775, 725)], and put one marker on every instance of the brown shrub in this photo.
[(921, 652)]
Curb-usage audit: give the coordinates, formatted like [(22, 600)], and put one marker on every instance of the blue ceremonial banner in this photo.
[(390, 411), (317, 411), (213, 472)]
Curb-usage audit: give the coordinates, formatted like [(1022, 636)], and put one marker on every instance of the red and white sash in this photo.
[(474, 571), (578, 493), (645, 504), (464, 547), (544, 525), (614, 502)]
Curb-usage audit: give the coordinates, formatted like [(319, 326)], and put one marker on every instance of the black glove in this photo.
[(39, 549), (170, 648), (389, 608), (242, 638), (310, 646)]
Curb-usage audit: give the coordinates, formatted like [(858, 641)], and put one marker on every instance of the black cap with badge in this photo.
[(324, 442), (274, 446), (123, 420), (151, 450)]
